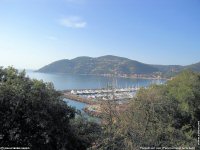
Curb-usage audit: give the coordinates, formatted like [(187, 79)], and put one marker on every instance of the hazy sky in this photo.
[(34, 33)]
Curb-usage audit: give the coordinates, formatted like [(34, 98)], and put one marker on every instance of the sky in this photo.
[(34, 33)]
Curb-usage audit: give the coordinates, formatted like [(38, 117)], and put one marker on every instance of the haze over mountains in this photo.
[(110, 65)]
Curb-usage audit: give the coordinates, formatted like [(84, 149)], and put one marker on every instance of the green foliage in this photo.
[(88, 131), (185, 91), (34, 115), (108, 139), (161, 115)]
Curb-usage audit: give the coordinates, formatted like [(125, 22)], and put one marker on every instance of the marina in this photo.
[(91, 90), (92, 96)]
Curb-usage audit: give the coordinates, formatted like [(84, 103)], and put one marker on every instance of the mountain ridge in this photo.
[(110, 64), (98, 65)]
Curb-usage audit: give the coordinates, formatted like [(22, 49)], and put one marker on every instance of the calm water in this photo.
[(80, 106), (77, 105), (67, 81)]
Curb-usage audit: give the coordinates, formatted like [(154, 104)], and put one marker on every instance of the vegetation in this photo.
[(160, 116), (100, 65), (113, 65), (194, 67), (34, 115)]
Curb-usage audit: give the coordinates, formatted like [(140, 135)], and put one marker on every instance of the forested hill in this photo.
[(110, 65), (100, 65), (194, 67)]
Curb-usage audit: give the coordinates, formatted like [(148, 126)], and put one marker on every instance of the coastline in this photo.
[(92, 108), (137, 76), (89, 103)]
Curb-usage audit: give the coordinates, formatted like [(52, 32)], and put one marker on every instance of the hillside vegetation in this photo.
[(159, 116), (34, 115), (100, 65), (112, 65), (194, 67)]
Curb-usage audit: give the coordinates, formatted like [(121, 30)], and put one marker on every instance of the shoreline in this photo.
[(110, 75), (92, 108), (88, 103)]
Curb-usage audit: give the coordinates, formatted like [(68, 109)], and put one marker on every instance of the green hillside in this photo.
[(100, 65), (194, 67), (112, 65)]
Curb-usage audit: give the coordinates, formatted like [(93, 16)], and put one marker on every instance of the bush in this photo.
[(160, 116), (33, 114)]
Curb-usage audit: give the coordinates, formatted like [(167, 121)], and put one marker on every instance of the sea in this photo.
[(72, 81)]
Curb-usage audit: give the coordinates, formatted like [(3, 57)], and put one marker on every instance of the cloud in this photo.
[(73, 22)]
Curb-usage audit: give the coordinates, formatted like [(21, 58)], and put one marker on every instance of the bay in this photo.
[(69, 81)]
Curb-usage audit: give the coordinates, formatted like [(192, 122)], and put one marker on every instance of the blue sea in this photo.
[(69, 81)]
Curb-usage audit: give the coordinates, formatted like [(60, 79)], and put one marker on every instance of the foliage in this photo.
[(185, 91), (160, 116), (109, 120), (88, 131), (34, 115)]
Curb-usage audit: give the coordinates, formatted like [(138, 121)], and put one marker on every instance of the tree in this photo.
[(162, 115), (110, 116), (185, 91), (33, 114)]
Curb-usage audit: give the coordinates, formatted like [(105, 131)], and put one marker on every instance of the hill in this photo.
[(112, 65), (194, 67), (101, 65), (168, 68)]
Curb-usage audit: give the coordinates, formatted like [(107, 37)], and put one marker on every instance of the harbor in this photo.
[(94, 98)]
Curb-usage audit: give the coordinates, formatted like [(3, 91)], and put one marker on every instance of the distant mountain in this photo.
[(168, 68), (194, 67), (101, 65), (111, 65)]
